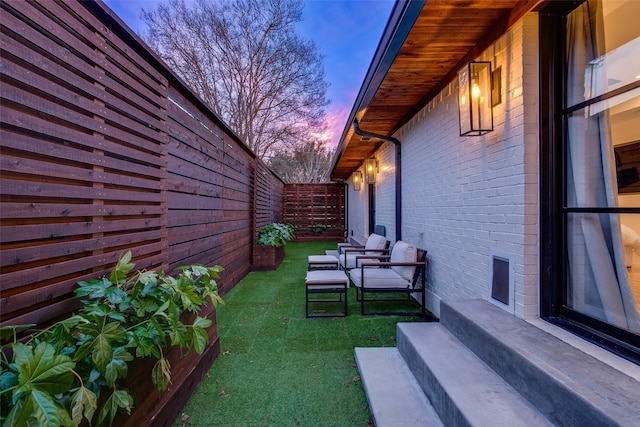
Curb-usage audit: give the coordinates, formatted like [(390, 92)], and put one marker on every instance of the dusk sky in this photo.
[(346, 32)]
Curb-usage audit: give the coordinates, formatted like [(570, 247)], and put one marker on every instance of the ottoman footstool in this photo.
[(327, 282), (318, 262)]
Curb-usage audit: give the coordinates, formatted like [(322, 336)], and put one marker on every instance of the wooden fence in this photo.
[(268, 198), (105, 150), (317, 211)]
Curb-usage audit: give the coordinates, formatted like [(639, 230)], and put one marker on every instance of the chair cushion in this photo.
[(325, 277), (322, 259), (348, 260), (404, 252), (379, 278), (375, 241)]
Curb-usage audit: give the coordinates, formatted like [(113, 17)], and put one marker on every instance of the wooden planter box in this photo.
[(160, 409), (308, 235), (267, 258)]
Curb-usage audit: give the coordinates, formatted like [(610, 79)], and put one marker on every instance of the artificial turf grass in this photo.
[(278, 368)]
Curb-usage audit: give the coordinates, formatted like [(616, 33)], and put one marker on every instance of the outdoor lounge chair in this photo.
[(376, 245), (380, 230), (402, 272)]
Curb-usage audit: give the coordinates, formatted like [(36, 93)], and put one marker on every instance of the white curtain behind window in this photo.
[(599, 284)]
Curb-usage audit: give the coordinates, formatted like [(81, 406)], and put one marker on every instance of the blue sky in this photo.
[(346, 32)]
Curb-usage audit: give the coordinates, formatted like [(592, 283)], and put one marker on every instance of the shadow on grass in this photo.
[(278, 368)]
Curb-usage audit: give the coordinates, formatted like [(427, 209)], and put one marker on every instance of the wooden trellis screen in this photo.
[(105, 150), (317, 210), (268, 198)]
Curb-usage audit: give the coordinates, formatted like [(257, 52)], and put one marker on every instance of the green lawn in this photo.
[(276, 367)]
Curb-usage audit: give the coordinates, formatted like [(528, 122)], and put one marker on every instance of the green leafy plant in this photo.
[(318, 228), (74, 370), (275, 234)]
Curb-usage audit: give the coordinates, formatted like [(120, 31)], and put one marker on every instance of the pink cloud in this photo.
[(337, 117)]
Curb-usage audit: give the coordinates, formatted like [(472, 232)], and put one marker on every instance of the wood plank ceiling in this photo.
[(446, 35)]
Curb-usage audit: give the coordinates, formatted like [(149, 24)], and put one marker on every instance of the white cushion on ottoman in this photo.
[(317, 278), (379, 278), (322, 261)]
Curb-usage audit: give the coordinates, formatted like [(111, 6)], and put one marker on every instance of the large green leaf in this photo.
[(47, 411), (101, 310), (200, 337), (146, 340), (84, 402), (117, 401), (189, 297), (202, 322), (117, 296), (10, 333), (38, 409), (42, 370), (149, 279), (102, 337), (117, 366), (178, 333), (122, 268), (94, 288), (161, 374)]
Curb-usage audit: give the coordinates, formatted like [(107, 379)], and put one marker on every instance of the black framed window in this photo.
[(590, 159)]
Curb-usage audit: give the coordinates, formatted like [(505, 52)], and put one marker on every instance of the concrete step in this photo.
[(463, 389), (394, 396), (568, 386)]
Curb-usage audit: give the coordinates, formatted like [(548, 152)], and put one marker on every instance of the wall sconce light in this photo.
[(474, 85), (357, 180), (371, 169)]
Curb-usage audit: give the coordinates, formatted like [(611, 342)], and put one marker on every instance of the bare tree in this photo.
[(246, 59), (308, 162)]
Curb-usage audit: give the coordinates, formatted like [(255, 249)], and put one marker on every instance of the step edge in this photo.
[(427, 413), (555, 376), (447, 395)]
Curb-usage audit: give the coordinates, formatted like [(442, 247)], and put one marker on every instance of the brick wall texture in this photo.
[(467, 197)]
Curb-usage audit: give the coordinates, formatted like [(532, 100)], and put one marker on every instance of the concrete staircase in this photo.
[(480, 366)]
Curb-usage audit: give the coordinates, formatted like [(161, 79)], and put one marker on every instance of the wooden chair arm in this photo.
[(393, 264), (359, 257), (346, 249)]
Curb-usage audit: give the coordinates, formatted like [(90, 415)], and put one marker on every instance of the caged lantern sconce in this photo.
[(371, 169), (357, 180), (474, 86)]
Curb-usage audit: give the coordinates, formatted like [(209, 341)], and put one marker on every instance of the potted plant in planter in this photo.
[(268, 251), (76, 371)]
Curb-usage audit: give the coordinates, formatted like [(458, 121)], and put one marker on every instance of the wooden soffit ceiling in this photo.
[(446, 35)]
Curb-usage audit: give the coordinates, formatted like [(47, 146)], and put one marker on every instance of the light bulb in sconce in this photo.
[(371, 169), (357, 180), (475, 90)]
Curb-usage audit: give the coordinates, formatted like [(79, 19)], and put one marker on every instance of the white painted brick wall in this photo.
[(357, 216), (385, 190), (464, 197)]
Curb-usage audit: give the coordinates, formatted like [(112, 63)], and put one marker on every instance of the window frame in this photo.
[(554, 209)]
